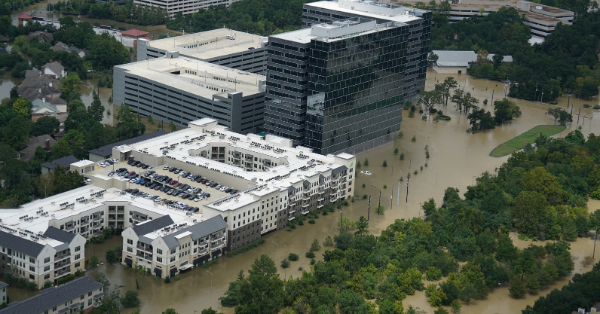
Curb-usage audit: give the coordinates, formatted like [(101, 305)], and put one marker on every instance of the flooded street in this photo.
[(456, 158)]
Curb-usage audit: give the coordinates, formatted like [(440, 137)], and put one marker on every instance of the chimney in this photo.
[(48, 145), (60, 62), (44, 99), (50, 84), (581, 310), (43, 67), (593, 310), (40, 90)]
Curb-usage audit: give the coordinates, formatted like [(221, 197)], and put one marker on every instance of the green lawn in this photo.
[(520, 141)]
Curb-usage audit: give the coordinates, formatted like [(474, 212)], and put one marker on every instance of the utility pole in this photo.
[(579, 115), (341, 221), (492, 103), (407, 181), (391, 201), (379, 203), (369, 212), (595, 241)]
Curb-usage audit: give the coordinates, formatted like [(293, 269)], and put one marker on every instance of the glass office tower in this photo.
[(355, 86)]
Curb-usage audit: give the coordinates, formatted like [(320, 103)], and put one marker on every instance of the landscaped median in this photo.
[(523, 139)]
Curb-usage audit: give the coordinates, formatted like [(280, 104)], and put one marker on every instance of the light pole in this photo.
[(595, 241), (211, 280), (379, 199), (276, 251), (500, 297)]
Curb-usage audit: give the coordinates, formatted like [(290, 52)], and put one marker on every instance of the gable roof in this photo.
[(106, 150), (39, 104), (24, 16), (60, 46), (32, 145), (64, 162), (153, 225), (20, 244), (198, 230), (55, 67), (60, 235), (51, 297), (73, 48)]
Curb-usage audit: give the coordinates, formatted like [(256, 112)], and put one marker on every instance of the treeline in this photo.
[(130, 13), (565, 63), (582, 291), (256, 17)]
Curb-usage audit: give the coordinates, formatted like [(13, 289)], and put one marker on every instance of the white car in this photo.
[(367, 172), (223, 188), (196, 199), (166, 168)]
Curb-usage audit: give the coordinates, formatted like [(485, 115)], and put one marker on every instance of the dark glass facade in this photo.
[(355, 89)]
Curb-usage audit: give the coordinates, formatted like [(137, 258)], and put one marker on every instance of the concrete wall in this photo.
[(450, 70)]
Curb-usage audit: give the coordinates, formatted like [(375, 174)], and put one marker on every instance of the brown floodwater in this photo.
[(456, 158)]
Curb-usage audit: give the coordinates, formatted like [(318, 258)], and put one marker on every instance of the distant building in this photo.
[(167, 248), (134, 33), (457, 62), (24, 18), (541, 19), (43, 87), (81, 295), (3, 287), (41, 36), (105, 152), (79, 52), (60, 46), (182, 90), (43, 141), (40, 108), (41, 253), (185, 7), (54, 69), (64, 162), (3, 39), (226, 47)]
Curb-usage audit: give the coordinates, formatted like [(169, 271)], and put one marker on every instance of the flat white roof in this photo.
[(210, 44), (202, 78), (396, 14)]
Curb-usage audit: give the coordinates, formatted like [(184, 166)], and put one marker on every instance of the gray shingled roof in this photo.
[(339, 169), (3, 284), (198, 230), (64, 162), (59, 235), (53, 296), (106, 150), (153, 225), (55, 67), (17, 243)]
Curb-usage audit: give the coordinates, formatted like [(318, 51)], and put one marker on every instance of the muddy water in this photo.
[(456, 157)]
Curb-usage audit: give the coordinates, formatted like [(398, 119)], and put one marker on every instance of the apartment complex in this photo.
[(541, 19), (181, 90), (184, 7), (278, 181), (329, 91), (38, 252), (226, 47), (78, 296), (166, 247)]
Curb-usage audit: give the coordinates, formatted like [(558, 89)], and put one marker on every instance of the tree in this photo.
[(45, 125), (131, 298), (351, 302), (96, 110), (456, 306), (315, 246), (530, 212), (169, 311), (362, 226), (22, 106), (541, 181), (209, 311), (70, 86), (93, 261), (428, 99), (172, 126), (16, 132), (444, 89), (101, 278), (285, 263), (517, 288), (111, 256), (45, 183), (128, 125), (262, 290), (532, 284), (469, 292)]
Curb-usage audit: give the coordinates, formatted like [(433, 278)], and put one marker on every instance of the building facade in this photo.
[(167, 248), (181, 90), (41, 257), (81, 295), (226, 47), (184, 7), (328, 90)]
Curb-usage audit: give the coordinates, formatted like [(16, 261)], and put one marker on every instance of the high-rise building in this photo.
[(340, 84)]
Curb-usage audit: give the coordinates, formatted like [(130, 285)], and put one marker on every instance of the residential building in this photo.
[(64, 162), (24, 18), (167, 248), (81, 295), (43, 87), (316, 108), (41, 108), (104, 152), (184, 7), (38, 252), (3, 289), (541, 19), (54, 69), (44, 141), (181, 90), (39, 35), (457, 62), (226, 47)]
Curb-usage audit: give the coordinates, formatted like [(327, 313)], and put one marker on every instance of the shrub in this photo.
[(293, 257), (310, 254), (396, 151), (426, 154), (311, 221), (384, 163), (168, 280), (586, 106), (402, 156), (131, 299), (363, 185), (433, 274), (285, 263), (385, 186), (414, 138), (328, 241), (365, 197), (312, 261)]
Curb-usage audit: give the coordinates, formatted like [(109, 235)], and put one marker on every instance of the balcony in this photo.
[(217, 246), (320, 199), (96, 218), (69, 227), (84, 220), (291, 218), (213, 239), (333, 199), (305, 205), (304, 212), (112, 217), (60, 257), (332, 194), (319, 206), (291, 211), (202, 251), (62, 263), (61, 273)]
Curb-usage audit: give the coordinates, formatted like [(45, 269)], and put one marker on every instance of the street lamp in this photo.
[(379, 199), (276, 251)]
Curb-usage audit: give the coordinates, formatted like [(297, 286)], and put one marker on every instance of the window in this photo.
[(54, 308), (89, 302), (90, 294), (77, 256), (31, 268), (47, 260), (159, 259), (32, 260), (81, 297), (31, 277), (129, 241), (129, 249), (172, 259), (77, 264), (173, 250), (46, 276), (47, 268), (77, 248), (158, 251)]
